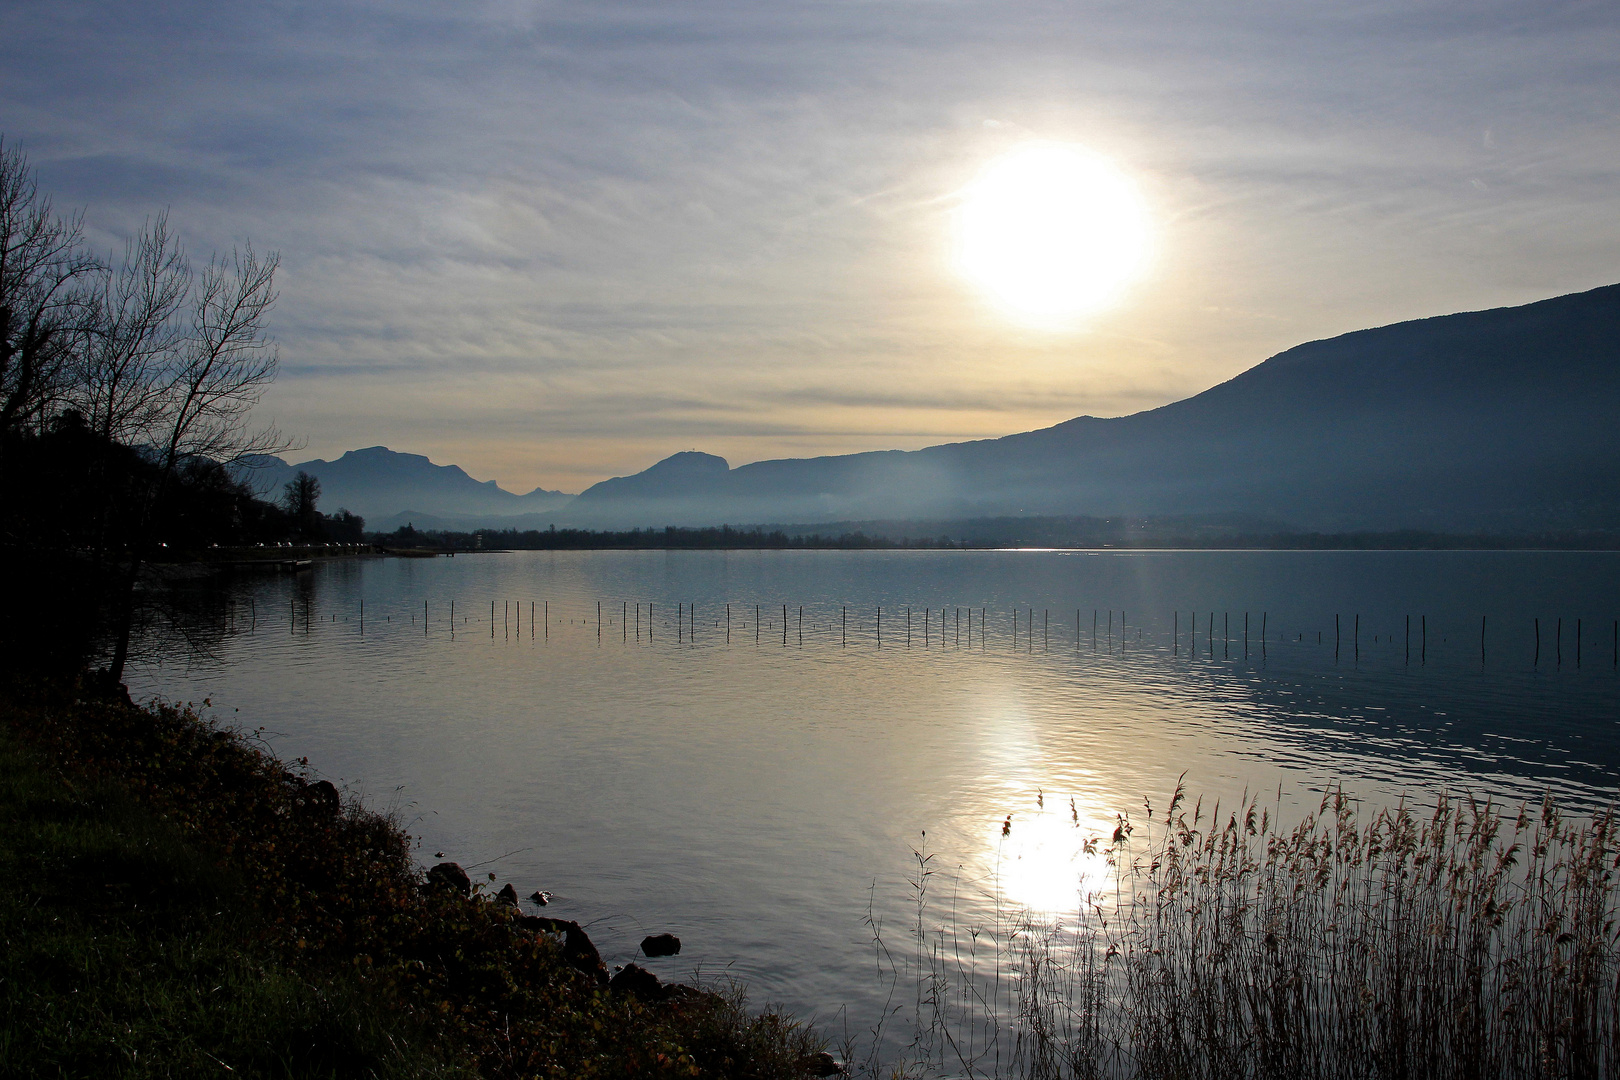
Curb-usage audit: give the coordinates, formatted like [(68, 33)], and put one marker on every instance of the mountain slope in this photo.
[(378, 482), (1500, 419)]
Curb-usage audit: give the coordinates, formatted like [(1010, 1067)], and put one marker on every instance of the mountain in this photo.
[(1489, 420), (378, 483)]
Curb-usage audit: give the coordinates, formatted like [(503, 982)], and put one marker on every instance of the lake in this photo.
[(588, 723)]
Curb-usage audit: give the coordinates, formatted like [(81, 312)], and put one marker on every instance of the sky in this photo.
[(554, 242)]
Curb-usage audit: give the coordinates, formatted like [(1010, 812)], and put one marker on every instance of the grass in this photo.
[(176, 902), (1461, 940), (126, 954)]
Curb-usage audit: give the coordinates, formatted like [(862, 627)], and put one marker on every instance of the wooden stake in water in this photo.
[(1046, 628), (492, 620), (1226, 629), (728, 624), (927, 619), (1558, 642), (680, 622), (599, 620), (756, 624), (801, 624), (1263, 616), (1175, 634), (1423, 656), (880, 627), (547, 634), (1336, 636), (784, 626), (1245, 635), (624, 623), (908, 627), (843, 629), (1358, 637)]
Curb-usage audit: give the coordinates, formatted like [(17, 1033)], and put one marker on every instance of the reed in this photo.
[(1464, 939)]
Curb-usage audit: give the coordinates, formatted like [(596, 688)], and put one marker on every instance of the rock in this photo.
[(660, 945), (821, 1064), (449, 875), (540, 897), (637, 982), (577, 947), (507, 895), (321, 795)]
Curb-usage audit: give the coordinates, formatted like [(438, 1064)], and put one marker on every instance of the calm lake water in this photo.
[(760, 795)]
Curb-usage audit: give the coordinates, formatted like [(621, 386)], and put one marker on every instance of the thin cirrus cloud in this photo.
[(555, 241)]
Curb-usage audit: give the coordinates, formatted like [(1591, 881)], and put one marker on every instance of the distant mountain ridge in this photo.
[(1491, 420), (1485, 421), (378, 483)]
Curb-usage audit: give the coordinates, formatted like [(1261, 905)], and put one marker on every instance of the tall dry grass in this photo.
[(1460, 940)]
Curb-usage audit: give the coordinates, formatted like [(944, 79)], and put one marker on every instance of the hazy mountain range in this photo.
[(1492, 420), (378, 484)]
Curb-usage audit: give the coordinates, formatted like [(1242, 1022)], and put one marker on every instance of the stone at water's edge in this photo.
[(638, 983), (577, 947), (822, 1064), (507, 895), (449, 875), (660, 945)]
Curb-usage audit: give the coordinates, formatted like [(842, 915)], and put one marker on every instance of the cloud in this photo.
[(640, 221)]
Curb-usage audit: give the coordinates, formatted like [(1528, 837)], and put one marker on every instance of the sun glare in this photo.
[(1052, 233), (1044, 865)]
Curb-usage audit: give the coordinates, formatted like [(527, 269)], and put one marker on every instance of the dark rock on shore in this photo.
[(637, 982), (321, 795), (507, 895), (449, 875), (660, 945), (821, 1064), (577, 947), (540, 898)]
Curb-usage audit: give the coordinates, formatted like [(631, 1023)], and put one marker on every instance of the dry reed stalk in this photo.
[(1461, 942)]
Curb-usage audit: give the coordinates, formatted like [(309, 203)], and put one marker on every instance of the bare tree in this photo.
[(299, 495), (130, 356), (46, 297), (200, 386)]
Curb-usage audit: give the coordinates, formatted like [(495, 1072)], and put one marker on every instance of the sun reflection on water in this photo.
[(1054, 858)]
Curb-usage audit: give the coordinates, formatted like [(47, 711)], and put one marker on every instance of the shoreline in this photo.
[(448, 977)]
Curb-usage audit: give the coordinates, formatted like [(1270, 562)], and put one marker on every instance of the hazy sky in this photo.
[(554, 242)]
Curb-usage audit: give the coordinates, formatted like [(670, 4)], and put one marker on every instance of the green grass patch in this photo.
[(174, 901), (128, 953)]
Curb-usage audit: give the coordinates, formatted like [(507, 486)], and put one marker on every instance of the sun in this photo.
[(1052, 233)]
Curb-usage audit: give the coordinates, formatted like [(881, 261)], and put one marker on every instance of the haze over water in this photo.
[(755, 797)]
